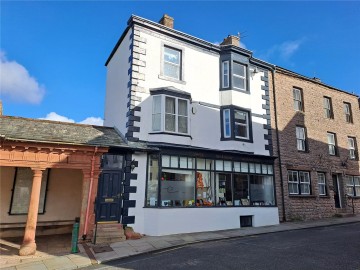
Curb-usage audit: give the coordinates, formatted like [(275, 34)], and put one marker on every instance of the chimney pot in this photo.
[(231, 40), (167, 21)]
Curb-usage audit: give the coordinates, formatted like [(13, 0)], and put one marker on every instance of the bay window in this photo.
[(170, 114), (236, 124)]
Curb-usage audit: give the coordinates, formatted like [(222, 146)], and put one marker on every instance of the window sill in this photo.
[(170, 133), (235, 89), (237, 139), (354, 197), (324, 196), (162, 77), (301, 196)]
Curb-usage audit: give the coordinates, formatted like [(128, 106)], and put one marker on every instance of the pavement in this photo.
[(90, 254)]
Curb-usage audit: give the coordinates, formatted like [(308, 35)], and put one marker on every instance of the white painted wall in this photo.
[(186, 220), (117, 79), (201, 76)]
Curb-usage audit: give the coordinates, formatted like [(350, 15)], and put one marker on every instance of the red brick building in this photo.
[(318, 126)]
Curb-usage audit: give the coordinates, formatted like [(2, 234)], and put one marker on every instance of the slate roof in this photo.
[(35, 130)]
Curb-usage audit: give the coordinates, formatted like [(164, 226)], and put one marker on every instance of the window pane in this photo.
[(183, 162), (227, 128), (177, 188), (239, 69), (237, 167), (170, 105), (240, 131), (171, 55), (183, 124), (204, 189), (182, 107), (241, 117), (270, 169), (174, 162), (170, 122), (330, 138), (244, 167), (172, 71), (262, 190), (165, 161), (153, 182), (264, 169), (156, 122), (223, 189), (227, 166), (257, 168), (191, 163), (357, 181), (241, 188), (226, 74), (219, 165), (200, 163), (239, 82), (157, 104), (252, 167)]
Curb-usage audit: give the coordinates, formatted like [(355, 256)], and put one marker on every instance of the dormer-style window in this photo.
[(170, 111), (234, 73)]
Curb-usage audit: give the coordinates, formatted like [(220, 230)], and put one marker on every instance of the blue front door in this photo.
[(108, 202)]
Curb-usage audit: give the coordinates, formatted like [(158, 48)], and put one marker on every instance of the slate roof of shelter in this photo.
[(36, 130)]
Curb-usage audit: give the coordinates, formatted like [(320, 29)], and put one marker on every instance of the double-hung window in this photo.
[(299, 183), (225, 74), (352, 185), (328, 108), (172, 63), (236, 124), (170, 114), (239, 76), (352, 147), (322, 184), (331, 143), (297, 96), (347, 112), (301, 138)]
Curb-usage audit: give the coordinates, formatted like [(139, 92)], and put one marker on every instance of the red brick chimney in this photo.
[(231, 40), (167, 21)]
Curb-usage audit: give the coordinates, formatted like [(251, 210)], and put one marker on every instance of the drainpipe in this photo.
[(278, 147), (89, 195)]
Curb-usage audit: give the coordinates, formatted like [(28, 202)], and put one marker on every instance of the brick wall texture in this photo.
[(316, 158)]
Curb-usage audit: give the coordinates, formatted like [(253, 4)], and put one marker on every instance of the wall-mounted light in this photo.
[(133, 164), (255, 70)]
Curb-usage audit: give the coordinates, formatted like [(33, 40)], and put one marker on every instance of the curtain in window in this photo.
[(156, 113), (170, 114)]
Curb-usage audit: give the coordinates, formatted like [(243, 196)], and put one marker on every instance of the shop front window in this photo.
[(183, 181), (177, 188)]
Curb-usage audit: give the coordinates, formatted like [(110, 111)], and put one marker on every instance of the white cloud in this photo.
[(17, 83), (53, 116), (97, 121), (284, 50)]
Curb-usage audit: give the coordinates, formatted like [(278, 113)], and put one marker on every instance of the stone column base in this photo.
[(27, 249)]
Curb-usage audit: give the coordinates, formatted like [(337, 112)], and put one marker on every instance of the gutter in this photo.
[(278, 147)]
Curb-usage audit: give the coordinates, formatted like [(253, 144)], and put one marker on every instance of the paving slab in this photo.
[(32, 266), (59, 263)]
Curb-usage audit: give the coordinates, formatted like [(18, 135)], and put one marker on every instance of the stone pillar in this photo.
[(28, 246)]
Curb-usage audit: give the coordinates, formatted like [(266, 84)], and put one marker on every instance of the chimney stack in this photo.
[(231, 40), (167, 21)]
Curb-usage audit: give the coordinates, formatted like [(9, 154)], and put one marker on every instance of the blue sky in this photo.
[(53, 53)]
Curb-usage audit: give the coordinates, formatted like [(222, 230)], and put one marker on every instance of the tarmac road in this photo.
[(332, 247)]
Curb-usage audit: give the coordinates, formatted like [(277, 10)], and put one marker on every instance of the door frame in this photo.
[(336, 184)]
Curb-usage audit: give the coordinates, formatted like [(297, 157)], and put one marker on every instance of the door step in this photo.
[(109, 233)]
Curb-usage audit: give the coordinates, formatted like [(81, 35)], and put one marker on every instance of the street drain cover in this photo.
[(102, 249)]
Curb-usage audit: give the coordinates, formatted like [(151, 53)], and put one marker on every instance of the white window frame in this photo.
[(298, 102), (300, 140), (353, 185), (327, 107), (239, 76), (351, 145), (322, 183), (227, 121), (177, 65), (247, 125), (347, 112), (331, 143), (225, 75), (302, 182), (177, 115)]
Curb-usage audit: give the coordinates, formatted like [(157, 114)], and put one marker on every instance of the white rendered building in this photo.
[(203, 111)]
